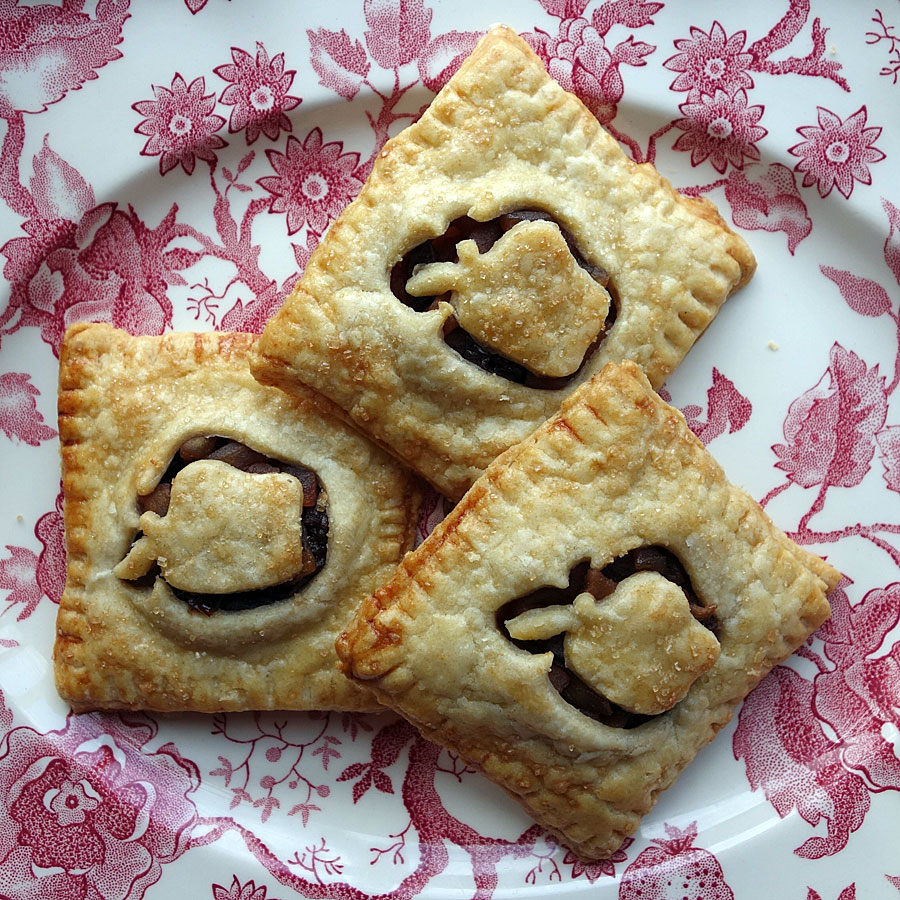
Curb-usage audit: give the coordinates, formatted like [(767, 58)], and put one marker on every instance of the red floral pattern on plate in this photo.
[(47, 51), (674, 867), (769, 201), (712, 62), (87, 814), (837, 152), (722, 129), (181, 125), (314, 181), (580, 60), (19, 418), (238, 891), (258, 92)]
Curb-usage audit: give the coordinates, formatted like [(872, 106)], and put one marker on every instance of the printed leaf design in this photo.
[(386, 747), (863, 295), (59, 190), (631, 53), (892, 241), (240, 795), (226, 770), (51, 567), (267, 804), (340, 63), (848, 893), (326, 750), (17, 575), (51, 50), (399, 30), (888, 440), (19, 418), (768, 201), (630, 13), (727, 408), (444, 55), (304, 809), (830, 430), (789, 756)]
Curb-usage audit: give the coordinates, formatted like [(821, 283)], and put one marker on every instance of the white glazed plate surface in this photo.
[(173, 164)]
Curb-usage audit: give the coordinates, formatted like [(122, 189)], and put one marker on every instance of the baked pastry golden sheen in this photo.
[(219, 533), (508, 212), (613, 498)]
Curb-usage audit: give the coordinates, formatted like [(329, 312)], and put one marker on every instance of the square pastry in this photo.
[(590, 614), (219, 533), (502, 251)]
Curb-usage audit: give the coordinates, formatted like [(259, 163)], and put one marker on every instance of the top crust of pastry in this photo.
[(616, 469), (126, 405), (502, 135)]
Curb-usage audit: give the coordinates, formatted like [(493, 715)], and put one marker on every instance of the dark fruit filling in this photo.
[(601, 583), (314, 520), (485, 235)]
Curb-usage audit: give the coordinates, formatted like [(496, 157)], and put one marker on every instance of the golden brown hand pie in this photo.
[(219, 533), (503, 250), (591, 613)]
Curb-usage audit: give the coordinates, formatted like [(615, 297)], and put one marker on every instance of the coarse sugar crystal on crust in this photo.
[(502, 251), (590, 614), (219, 533)]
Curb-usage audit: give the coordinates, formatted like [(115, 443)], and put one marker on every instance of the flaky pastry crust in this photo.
[(615, 470), (126, 405), (501, 136)]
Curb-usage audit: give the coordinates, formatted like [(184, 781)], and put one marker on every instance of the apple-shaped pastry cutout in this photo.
[(526, 298), (640, 647), (225, 531)]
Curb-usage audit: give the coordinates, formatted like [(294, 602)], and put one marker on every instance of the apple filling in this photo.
[(628, 640), (228, 528), (522, 300)]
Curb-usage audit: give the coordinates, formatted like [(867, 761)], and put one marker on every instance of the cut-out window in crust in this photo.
[(228, 528), (527, 305), (627, 640)]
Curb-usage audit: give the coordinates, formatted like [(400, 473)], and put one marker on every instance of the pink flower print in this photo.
[(180, 125), (712, 62), (579, 61), (19, 417), (835, 153), (593, 870), (238, 891), (314, 181), (721, 129), (70, 802), (110, 267), (578, 40), (87, 812), (258, 92)]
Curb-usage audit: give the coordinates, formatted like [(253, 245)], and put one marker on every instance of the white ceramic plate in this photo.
[(171, 165)]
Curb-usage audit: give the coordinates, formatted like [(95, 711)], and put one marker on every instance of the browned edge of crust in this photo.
[(78, 354)]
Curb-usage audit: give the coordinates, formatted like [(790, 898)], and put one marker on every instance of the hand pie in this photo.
[(502, 251), (219, 533), (590, 614)]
